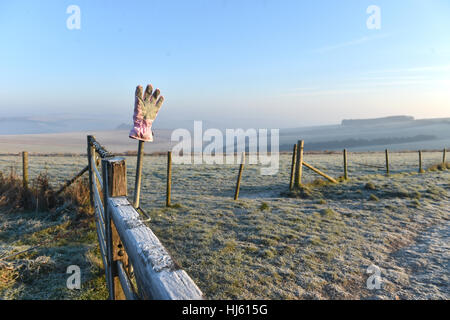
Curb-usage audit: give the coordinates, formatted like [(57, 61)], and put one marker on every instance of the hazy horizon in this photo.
[(66, 122)]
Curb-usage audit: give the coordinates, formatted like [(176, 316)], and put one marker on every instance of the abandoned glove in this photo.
[(145, 110)]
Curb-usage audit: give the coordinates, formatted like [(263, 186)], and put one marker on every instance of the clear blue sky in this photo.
[(262, 63)]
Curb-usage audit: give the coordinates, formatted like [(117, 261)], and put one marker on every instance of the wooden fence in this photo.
[(137, 265), (295, 180), (297, 163)]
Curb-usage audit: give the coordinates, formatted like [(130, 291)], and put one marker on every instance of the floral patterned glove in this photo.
[(145, 110)]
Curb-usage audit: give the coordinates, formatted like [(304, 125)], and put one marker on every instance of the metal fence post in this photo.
[(137, 182)]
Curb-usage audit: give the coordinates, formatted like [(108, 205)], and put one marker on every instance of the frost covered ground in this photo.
[(273, 245), (57, 240)]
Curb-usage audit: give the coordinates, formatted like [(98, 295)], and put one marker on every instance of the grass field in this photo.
[(275, 245)]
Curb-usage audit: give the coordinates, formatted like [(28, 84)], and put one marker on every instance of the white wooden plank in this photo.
[(157, 275)]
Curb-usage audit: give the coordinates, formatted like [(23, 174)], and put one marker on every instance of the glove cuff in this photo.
[(142, 130)]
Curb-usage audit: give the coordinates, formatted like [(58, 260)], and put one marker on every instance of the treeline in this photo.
[(375, 121)]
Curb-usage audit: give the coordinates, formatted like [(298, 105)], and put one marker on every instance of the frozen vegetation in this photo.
[(271, 244)]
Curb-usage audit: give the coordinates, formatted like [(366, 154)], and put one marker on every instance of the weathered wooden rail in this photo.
[(137, 265)]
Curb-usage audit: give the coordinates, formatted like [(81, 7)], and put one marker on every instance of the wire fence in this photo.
[(220, 180)]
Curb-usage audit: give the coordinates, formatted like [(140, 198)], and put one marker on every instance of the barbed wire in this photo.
[(100, 149)]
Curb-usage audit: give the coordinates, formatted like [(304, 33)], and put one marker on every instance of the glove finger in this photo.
[(154, 111), (138, 93), (148, 92), (155, 96), (159, 103)]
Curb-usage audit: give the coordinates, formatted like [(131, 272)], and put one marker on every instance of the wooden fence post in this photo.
[(238, 184), (420, 162), (25, 169), (90, 155), (299, 164), (137, 182), (169, 178), (291, 180), (345, 165), (443, 158), (387, 162), (114, 173)]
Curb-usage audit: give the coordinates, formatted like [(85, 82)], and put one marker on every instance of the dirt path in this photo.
[(427, 264)]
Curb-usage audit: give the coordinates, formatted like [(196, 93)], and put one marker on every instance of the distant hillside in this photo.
[(54, 124), (374, 121), (124, 126), (116, 141), (355, 143), (396, 133)]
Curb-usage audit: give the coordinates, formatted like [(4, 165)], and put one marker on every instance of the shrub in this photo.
[(370, 186), (328, 212), (268, 253), (40, 196), (440, 167)]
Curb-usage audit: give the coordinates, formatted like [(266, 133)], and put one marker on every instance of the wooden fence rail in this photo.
[(72, 180), (137, 265), (319, 172)]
